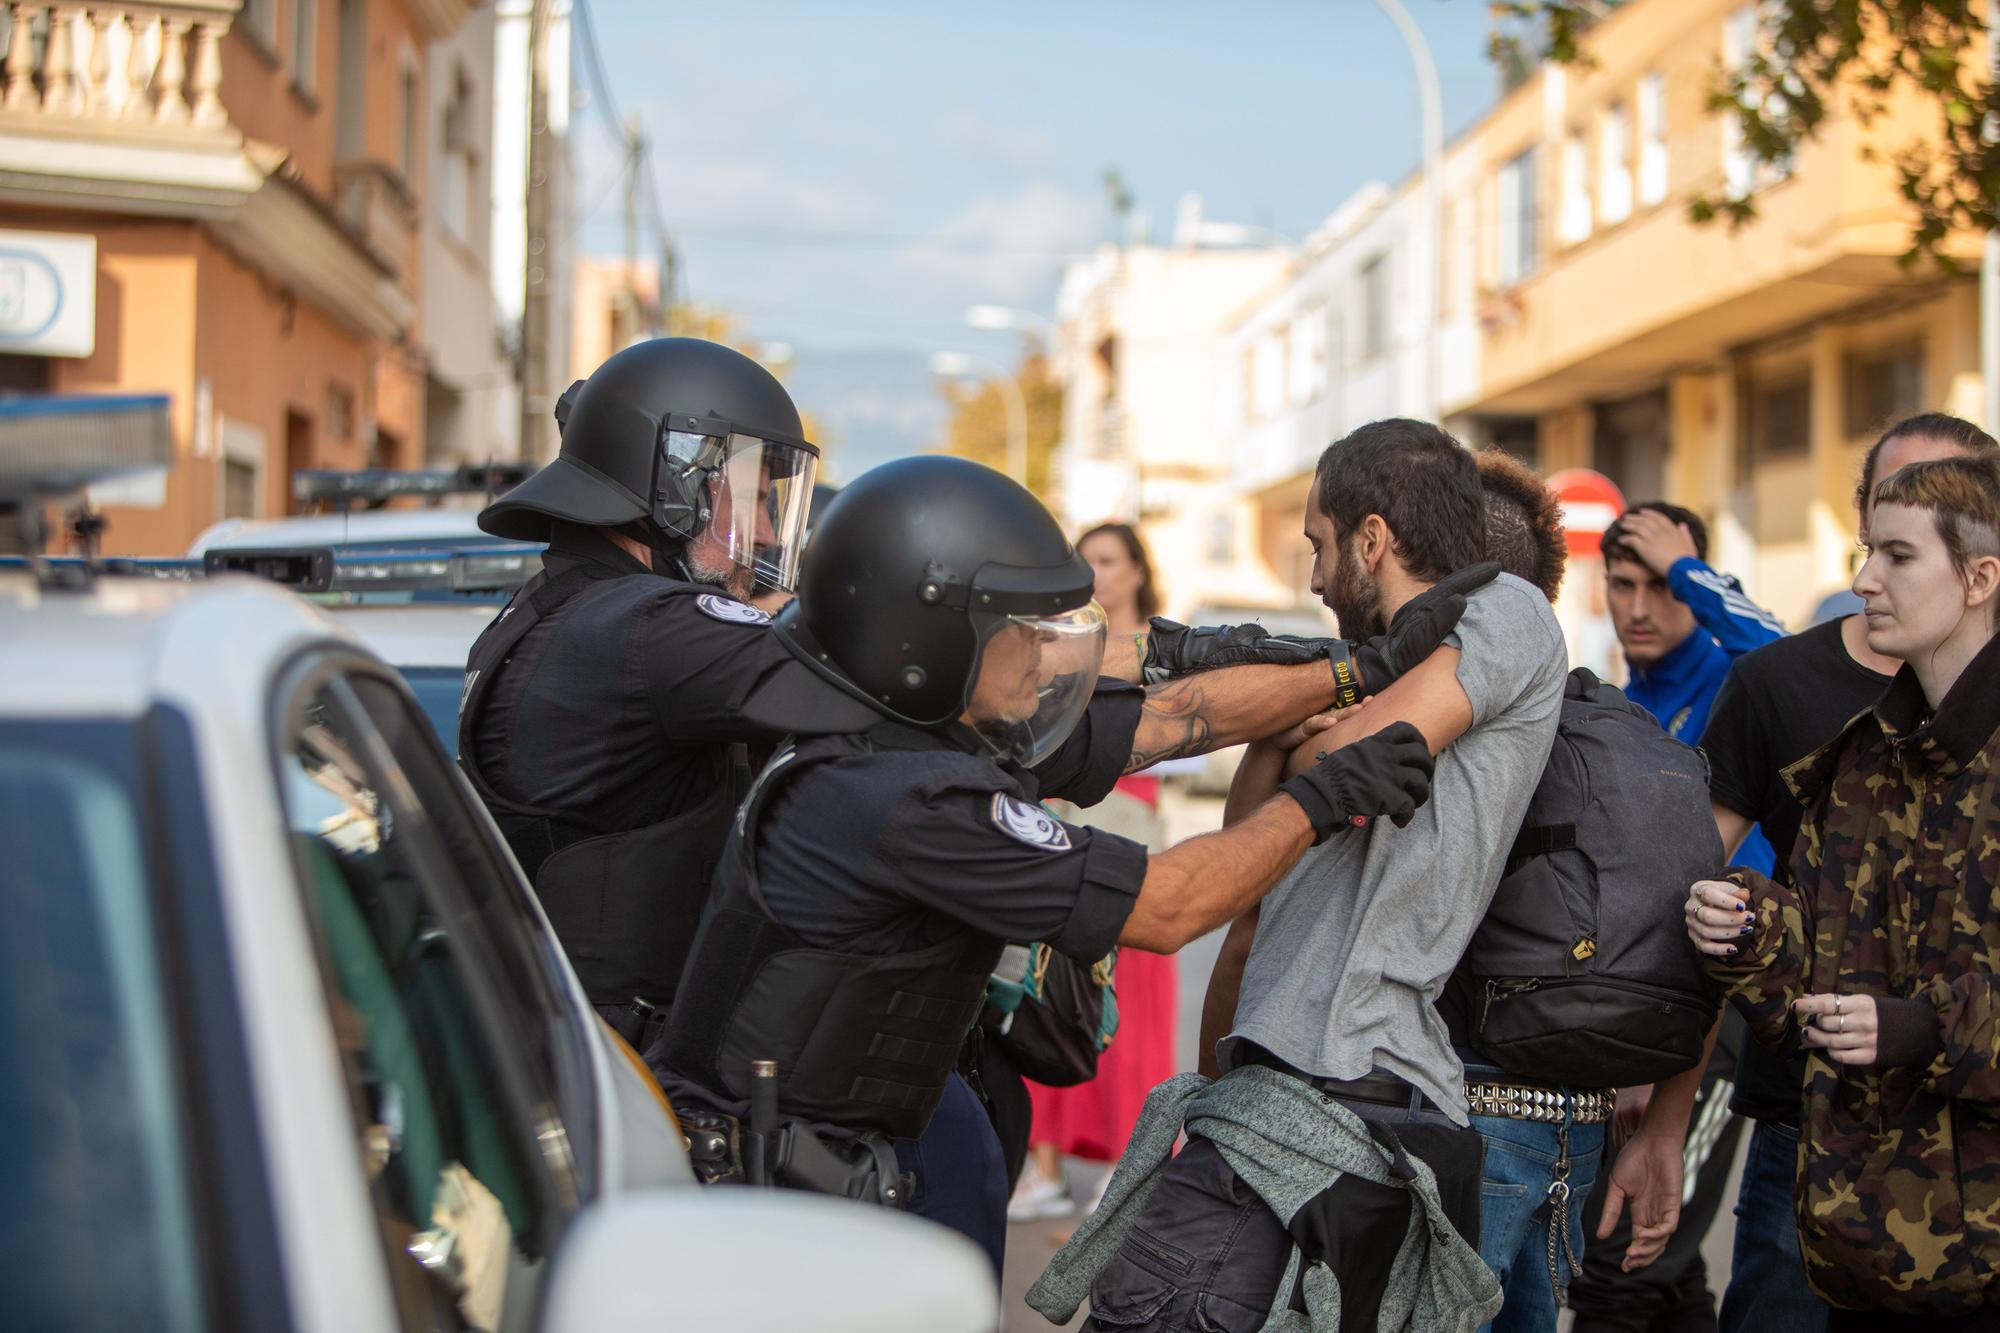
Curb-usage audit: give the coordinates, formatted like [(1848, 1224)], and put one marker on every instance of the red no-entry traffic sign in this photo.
[(1591, 502)]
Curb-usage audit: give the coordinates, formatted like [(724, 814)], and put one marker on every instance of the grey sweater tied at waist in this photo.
[(1288, 1143)]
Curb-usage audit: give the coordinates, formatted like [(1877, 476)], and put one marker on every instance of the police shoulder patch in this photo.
[(1024, 823), (728, 609)]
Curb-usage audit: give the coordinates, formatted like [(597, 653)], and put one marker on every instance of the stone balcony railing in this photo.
[(115, 68)]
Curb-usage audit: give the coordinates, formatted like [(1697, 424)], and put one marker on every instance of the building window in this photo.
[(1652, 138), (350, 79), (1221, 539), (411, 111), (339, 412), (1374, 309), (1267, 377), (1519, 230), (1883, 386), (1306, 342), (260, 23), (1573, 222), (456, 163), (305, 45), (1740, 171), (1781, 419), (1614, 165)]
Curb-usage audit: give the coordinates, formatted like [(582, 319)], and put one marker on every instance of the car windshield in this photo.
[(98, 1231), (437, 690)]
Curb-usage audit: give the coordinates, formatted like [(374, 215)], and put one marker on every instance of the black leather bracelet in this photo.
[(1346, 680)]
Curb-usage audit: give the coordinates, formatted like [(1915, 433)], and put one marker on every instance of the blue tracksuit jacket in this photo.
[(1679, 689)]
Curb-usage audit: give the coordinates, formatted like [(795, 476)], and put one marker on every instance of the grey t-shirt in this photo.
[(1355, 943)]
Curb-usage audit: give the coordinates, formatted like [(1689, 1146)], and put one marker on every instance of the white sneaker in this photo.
[(1037, 1197)]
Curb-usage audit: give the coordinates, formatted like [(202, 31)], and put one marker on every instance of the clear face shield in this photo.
[(1034, 677), (759, 495)]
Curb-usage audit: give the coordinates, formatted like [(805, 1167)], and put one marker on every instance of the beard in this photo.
[(1355, 597), (723, 573)]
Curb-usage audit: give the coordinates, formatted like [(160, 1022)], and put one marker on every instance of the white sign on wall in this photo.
[(48, 293)]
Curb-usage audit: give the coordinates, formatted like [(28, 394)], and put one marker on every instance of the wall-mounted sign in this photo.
[(48, 293)]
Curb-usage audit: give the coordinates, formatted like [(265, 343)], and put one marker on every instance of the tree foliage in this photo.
[(1814, 56), (978, 428)]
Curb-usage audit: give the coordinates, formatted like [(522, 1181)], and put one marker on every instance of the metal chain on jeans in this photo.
[(1558, 1210)]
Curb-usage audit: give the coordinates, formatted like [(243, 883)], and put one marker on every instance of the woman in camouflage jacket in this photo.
[(1884, 955)]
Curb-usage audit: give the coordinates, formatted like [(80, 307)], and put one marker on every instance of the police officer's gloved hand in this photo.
[(1174, 650), (1388, 773), (1418, 630)]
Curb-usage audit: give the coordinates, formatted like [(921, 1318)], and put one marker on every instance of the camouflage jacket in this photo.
[(1896, 894)]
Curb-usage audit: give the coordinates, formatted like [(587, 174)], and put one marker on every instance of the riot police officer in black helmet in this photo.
[(873, 876), (608, 707)]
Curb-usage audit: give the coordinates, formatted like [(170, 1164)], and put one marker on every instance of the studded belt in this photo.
[(1521, 1101)]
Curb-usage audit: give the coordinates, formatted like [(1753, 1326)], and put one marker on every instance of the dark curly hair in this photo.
[(1524, 523)]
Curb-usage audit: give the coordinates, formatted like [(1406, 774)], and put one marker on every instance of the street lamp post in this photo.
[(958, 365), (1431, 109)]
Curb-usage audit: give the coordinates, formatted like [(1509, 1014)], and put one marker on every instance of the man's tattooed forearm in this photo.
[(1173, 723)]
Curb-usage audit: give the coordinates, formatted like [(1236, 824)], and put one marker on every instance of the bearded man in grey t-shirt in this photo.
[(1334, 980)]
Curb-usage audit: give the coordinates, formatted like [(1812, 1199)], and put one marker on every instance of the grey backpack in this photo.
[(1582, 973)]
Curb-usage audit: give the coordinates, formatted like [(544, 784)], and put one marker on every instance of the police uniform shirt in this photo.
[(878, 852), (621, 704)]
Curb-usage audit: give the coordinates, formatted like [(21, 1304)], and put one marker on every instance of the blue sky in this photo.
[(847, 177)]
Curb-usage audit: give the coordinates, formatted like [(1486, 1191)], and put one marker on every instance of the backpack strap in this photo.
[(1541, 840)]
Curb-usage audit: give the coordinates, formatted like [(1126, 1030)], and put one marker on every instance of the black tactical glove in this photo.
[(1174, 650), (1388, 773), (1418, 630)]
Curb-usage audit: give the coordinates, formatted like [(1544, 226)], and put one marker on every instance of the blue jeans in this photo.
[(1521, 1158), (961, 1176), (1767, 1278)]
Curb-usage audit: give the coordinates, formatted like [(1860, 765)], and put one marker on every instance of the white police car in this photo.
[(417, 585), (285, 1042)]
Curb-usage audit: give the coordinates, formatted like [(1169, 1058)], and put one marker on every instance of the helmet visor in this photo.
[(759, 495), (1034, 677)]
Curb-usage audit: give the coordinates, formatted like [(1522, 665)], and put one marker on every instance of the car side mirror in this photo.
[(734, 1257)]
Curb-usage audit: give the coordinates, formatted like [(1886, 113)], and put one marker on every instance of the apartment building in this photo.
[(1352, 334), (471, 398), (253, 207), (1139, 338), (1739, 372)]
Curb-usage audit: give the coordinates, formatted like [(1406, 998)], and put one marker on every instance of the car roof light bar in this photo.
[(376, 486)]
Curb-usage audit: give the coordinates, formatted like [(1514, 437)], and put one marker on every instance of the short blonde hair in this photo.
[(1962, 496)]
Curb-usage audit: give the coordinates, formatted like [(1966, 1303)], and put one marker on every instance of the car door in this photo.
[(445, 1026)]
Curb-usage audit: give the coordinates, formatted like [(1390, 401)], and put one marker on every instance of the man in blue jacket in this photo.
[(1681, 624)]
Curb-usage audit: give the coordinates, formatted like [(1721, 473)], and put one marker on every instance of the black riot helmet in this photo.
[(690, 436), (938, 588)]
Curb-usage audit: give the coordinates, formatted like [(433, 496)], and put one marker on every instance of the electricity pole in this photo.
[(537, 394)]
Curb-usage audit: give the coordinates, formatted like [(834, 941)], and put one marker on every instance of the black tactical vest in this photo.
[(624, 902), (861, 1041)]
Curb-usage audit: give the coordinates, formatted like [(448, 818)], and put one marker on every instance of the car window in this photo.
[(551, 1031), (438, 689), (451, 1121), (99, 1229)]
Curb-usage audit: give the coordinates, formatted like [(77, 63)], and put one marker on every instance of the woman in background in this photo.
[(1092, 1120)]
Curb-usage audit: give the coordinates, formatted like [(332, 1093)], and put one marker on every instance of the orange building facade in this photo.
[(250, 177)]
